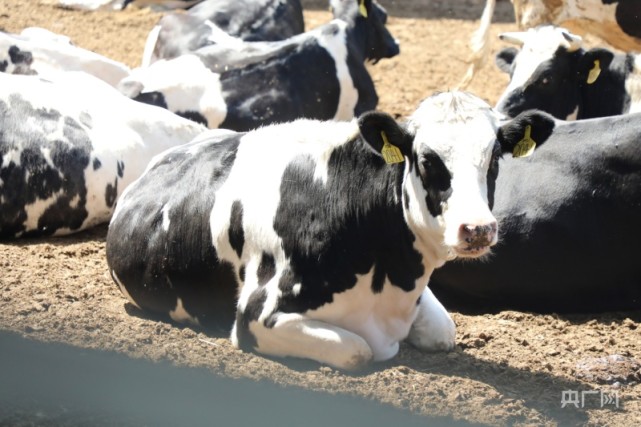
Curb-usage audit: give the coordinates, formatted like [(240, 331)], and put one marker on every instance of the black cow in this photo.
[(243, 85), (250, 20), (551, 72), (568, 238), (312, 239)]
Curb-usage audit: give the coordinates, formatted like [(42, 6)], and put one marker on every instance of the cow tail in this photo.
[(480, 44)]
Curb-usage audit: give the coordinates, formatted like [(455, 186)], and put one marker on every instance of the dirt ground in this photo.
[(509, 368)]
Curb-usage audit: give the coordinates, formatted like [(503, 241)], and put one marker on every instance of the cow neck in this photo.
[(356, 35)]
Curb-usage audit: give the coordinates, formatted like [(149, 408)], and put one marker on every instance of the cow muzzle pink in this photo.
[(476, 240)]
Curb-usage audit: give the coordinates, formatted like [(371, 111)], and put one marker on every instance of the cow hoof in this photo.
[(435, 335)]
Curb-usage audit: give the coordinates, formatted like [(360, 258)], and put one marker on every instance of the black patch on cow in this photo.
[(236, 233), (253, 309), (96, 164), (18, 56), (266, 269), (493, 173), (241, 273), (297, 81), (157, 266), (28, 131), (111, 193), (378, 280), (332, 232), (553, 87), (120, 167), (3, 66), (194, 116), (628, 16), (436, 179), (151, 98)]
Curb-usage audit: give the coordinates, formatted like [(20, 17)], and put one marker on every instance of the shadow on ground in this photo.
[(53, 384)]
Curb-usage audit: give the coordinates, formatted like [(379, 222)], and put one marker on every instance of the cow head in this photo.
[(543, 73), (164, 84), (451, 146), (366, 27)]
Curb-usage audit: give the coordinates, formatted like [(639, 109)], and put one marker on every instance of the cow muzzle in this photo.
[(476, 240)]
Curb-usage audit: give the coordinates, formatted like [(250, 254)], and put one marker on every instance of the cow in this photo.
[(553, 73), (39, 51), (618, 22), (250, 20), (567, 215), (315, 239), (69, 145), (241, 85)]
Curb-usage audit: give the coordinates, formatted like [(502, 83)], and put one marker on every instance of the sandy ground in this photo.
[(120, 367)]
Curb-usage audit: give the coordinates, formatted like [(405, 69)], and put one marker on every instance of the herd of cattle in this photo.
[(304, 221)]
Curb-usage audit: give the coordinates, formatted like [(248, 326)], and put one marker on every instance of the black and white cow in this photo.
[(305, 239), (39, 51), (251, 20), (241, 85), (551, 72), (568, 239), (69, 146)]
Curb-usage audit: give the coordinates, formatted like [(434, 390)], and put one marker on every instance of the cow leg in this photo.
[(297, 336), (433, 329)]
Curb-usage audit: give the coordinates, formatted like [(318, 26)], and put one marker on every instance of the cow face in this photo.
[(367, 19), (452, 162), (543, 72)]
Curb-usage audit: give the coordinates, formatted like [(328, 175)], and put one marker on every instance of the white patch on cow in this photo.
[(220, 37), (296, 289), (165, 217), (539, 45), (148, 56), (633, 86), (123, 289), (573, 115), (336, 46), (201, 92), (461, 129), (179, 314)]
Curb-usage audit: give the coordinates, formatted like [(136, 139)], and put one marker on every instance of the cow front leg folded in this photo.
[(295, 335), (433, 329)]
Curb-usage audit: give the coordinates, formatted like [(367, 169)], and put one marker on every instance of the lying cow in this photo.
[(39, 51), (327, 252), (243, 85), (618, 22), (553, 73), (251, 20), (68, 148), (567, 216)]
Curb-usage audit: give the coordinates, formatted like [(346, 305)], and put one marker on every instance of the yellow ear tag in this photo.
[(594, 72), (391, 153), (526, 146), (362, 9)]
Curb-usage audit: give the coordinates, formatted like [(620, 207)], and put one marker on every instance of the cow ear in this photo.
[(505, 58), (381, 131), (526, 132), (592, 63)]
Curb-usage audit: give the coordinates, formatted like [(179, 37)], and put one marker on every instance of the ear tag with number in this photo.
[(362, 9), (391, 153), (526, 146), (594, 72)]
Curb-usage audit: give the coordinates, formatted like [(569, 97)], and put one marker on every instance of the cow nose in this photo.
[(478, 235)]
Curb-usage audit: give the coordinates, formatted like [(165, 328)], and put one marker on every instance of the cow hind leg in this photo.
[(294, 335)]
